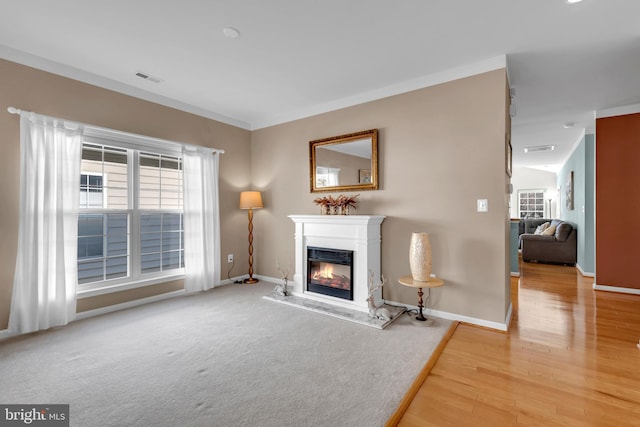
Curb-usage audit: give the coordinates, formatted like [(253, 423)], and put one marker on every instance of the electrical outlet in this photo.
[(230, 258), (483, 205)]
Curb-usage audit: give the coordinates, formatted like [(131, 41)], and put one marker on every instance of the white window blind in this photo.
[(130, 224)]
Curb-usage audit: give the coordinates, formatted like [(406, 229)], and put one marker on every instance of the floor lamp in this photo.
[(250, 200)]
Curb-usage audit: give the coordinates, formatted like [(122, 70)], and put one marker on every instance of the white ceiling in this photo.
[(295, 58)]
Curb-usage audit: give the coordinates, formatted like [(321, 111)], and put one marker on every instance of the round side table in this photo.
[(432, 283)]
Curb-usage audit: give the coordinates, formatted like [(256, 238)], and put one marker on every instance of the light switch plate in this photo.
[(483, 205)]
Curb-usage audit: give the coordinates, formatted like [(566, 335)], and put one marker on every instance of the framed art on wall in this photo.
[(569, 191), (345, 162)]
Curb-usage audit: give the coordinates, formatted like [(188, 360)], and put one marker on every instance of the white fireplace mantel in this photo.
[(357, 233)]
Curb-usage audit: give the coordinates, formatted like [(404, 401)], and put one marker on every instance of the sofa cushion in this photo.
[(563, 230), (541, 228), (530, 224), (549, 231), (537, 238)]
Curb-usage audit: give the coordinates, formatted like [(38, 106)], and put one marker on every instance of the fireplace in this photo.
[(357, 235), (330, 272)]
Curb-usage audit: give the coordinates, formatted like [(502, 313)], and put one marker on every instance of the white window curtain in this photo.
[(44, 285), (201, 219)]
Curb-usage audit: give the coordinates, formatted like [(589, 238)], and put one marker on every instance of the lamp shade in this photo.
[(250, 200)]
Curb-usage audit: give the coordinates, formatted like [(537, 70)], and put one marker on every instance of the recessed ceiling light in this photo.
[(539, 148), (573, 1), (230, 32), (568, 125)]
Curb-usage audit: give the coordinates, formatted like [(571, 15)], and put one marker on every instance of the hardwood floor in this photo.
[(569, 359)]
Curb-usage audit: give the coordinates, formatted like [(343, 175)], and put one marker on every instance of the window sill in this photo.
[(119, 287)]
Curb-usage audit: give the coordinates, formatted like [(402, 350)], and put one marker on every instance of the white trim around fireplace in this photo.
[(357, 233)]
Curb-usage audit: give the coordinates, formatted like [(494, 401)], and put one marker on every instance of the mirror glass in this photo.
[(345, 163)]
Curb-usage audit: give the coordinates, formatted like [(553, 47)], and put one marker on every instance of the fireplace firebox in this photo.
[(329, 272)]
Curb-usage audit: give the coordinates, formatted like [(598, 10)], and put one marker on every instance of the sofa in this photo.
[(529, 225), (557, 246)]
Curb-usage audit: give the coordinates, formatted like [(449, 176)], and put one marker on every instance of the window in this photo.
[(160, 202), (130, 226), (531, 203), (91, 190)]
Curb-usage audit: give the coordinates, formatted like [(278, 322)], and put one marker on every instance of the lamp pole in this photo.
[(250, 200), (251, 279)]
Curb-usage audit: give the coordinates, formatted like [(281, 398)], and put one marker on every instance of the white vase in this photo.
[(420, 257)]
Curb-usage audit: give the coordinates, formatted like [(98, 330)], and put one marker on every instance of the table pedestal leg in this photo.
[(420, 316)]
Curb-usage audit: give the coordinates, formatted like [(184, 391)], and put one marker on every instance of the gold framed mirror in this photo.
[(344, 163)]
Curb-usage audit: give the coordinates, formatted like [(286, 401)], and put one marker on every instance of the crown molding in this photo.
[(57, 68), (451, 74), (618, 111)]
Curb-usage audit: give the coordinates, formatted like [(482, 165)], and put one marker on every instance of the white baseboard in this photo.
[(111, 308), (515, 274), (255, 276), (225, 282), (269, 279), (507, 320), (461, 318), (4, 334), (142, 301), (128, 304), (427, 311), (438, 313), (584, 273), (617, 289)]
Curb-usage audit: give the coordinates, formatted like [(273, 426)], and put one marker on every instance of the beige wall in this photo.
[(507, 195), (33, 90), (440, 149)]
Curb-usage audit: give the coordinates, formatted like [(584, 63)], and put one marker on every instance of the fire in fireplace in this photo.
[(329, 272)]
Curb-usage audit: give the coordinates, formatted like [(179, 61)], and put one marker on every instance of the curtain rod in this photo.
[(13, 110)]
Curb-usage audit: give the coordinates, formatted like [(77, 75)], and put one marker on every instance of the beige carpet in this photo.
[(226, 357)]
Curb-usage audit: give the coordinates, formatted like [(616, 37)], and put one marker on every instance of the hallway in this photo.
[(569, 359)]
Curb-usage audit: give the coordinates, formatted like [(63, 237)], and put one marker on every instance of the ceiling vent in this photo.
[(539, 148), (148, 77)]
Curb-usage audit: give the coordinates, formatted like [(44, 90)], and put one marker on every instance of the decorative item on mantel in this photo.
[(282, 288), (338, 206), (420, 257)]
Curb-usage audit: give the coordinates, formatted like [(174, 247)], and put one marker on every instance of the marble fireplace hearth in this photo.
[(337, 312), (359, 234)]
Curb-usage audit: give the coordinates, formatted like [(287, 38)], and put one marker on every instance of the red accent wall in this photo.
[(618, 201)]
